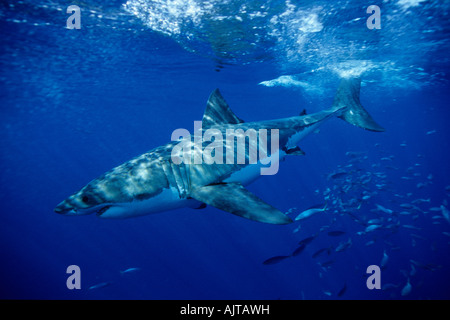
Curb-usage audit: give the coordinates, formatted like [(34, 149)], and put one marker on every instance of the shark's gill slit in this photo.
[(103, 210)]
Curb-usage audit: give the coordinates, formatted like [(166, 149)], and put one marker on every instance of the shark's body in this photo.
[(153, 183)]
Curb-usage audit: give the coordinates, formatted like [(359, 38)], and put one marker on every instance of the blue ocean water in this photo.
[(78, 102)]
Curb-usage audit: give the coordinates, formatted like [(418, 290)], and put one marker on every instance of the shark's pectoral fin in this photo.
[(234, 198)]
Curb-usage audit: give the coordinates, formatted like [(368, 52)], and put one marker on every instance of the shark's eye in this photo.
[(85, 199)]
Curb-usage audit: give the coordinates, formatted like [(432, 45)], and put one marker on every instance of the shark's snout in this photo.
[(63, 208), (59, 210), (70, 208)]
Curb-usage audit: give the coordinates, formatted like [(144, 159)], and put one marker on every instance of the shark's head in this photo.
[(123, 192), (85, 201), (111, 205), (118, 192)]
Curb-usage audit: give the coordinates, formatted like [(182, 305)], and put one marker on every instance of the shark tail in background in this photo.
[(347, 99)]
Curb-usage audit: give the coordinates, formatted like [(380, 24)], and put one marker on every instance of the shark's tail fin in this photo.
[(347, 98)]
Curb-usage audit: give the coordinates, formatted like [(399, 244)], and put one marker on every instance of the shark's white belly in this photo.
[(250, 173), (168, 199), (245, 176)]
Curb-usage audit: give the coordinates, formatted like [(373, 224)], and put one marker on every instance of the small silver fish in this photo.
[(275, 260), (372, 227), (417, 236), (406, 289), (342, 291), (99, 285), (413, 270), (445, 213), (383, 209), (311, 211), (384, 260), (417, 201), (130, 270), (344, 245)]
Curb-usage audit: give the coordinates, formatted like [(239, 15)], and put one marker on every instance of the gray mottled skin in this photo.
[(149, 175)]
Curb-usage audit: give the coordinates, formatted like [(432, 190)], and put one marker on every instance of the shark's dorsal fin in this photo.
[(218, 112), (234, 198)]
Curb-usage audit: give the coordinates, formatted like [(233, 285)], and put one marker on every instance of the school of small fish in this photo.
[(363, 195)]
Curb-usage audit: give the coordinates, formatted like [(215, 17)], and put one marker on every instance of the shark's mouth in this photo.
[(98, 210), (102, 210)]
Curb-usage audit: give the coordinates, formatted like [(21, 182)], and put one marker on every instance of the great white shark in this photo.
[(153, 183)]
